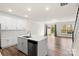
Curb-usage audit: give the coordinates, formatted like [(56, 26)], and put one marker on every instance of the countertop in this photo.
[(35, 38)]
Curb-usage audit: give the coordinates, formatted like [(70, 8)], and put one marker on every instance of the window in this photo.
[(67, 28)]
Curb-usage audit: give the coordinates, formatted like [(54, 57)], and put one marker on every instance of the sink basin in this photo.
[(27, 36)]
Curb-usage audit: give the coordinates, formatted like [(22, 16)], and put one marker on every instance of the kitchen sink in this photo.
[(27, 36)]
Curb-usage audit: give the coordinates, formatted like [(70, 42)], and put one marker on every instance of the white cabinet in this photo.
[(12, 23), (22, 45), (7, 42), (42, 47), (19, 46), (25, 46)]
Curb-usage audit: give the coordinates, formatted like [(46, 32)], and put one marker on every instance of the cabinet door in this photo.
[(25, 50), (20, 44), (42, 47)]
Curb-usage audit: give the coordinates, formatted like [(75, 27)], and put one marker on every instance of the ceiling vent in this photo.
[(63, 4)]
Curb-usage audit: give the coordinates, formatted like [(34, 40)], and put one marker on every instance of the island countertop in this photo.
[(35, 38)]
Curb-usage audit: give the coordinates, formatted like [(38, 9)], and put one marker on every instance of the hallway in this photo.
[(58, 46)]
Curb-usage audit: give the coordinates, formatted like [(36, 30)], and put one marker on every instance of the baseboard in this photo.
[(63, 37)]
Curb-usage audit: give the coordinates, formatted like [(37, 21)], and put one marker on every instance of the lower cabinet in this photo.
[(5, 42), (22, 45), (25, 50)]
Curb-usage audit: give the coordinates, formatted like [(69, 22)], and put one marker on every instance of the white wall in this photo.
[(11, 28), (36, 28)]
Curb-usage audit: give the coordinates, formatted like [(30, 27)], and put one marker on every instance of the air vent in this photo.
[(63, 4)]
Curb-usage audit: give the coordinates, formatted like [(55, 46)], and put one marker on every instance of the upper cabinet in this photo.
[(12, 23), (20, 24)]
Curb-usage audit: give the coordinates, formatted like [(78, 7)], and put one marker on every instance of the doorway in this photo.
[(51, 30)]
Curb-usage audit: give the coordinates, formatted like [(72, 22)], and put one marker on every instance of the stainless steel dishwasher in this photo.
[(32, 48)]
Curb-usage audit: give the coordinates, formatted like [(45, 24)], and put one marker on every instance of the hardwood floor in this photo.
[(11, 51), (57, 46)]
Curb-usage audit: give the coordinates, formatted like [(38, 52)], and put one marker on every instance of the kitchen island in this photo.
[(33, 46)]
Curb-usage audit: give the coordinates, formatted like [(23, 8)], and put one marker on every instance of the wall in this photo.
[(59, 22), (76, 39), (36, 28), (11, 28), (76, 44)]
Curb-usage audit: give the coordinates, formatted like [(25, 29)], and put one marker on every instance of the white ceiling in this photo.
[(38, 12)]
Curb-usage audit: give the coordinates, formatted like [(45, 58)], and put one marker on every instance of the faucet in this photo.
[(29, 33)]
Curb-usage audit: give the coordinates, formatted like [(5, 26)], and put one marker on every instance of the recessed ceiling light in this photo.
[(26, 15), (10, 10), (29, 9), (47, 8)]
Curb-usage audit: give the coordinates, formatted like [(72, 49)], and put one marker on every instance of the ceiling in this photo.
[(38, 10)]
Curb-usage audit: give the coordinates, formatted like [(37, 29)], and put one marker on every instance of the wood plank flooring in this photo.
[(11, 51), (59, 46), (56, 47)]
